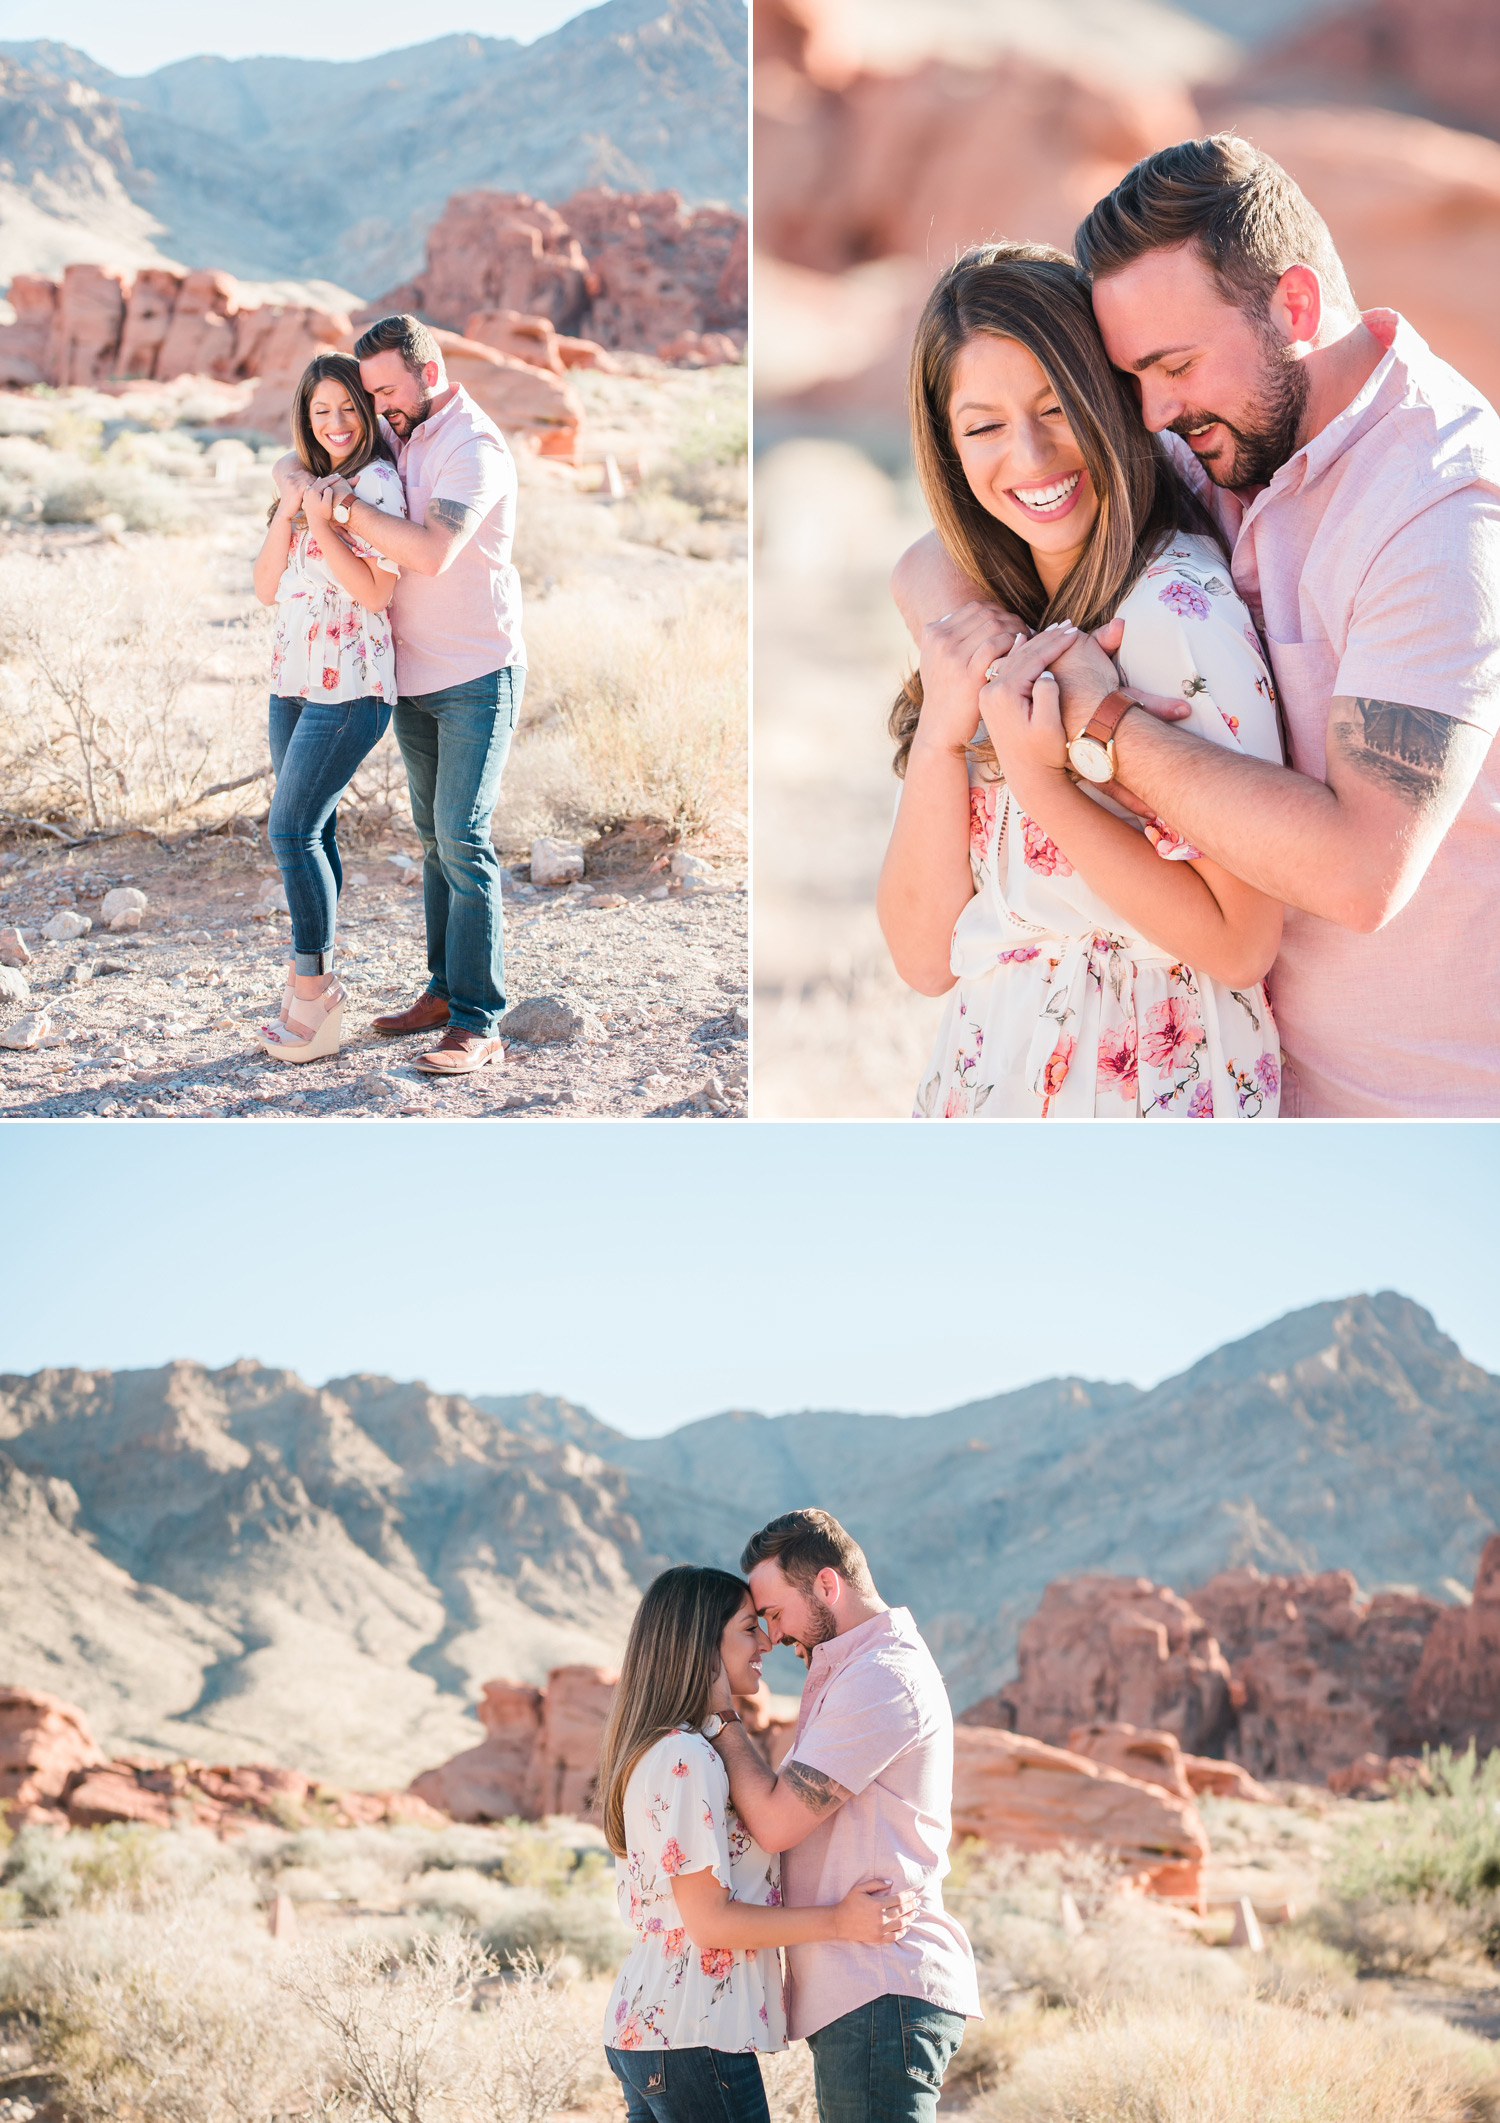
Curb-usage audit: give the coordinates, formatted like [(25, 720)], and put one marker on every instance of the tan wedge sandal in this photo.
[(288, 997), (312, 1028)]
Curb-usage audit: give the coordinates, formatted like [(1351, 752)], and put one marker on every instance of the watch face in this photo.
[(713, 1725), (1090, 759)]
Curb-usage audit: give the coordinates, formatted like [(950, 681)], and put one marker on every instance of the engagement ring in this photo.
[(993, 670)]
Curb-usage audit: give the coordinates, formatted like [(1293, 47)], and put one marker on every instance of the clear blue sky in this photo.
[(134, 38), (658, 1272)]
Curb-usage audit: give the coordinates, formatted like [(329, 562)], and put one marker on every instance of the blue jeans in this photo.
[(884, 2062), (455, 744), (690, 2085), (316, 745)]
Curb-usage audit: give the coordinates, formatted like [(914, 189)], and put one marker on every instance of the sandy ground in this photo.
[(169, 1033), (836, 1033)]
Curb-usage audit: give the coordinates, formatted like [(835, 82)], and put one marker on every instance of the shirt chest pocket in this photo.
[(1304, 674)]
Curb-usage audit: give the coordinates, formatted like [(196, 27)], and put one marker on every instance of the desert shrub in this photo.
[(635, 709), (118, 1860), (1418, 1876), (135, 498), (583, 1925), (36, 1868), (1254, 2063)]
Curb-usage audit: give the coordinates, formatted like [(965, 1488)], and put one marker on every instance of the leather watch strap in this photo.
[(1105, 719)]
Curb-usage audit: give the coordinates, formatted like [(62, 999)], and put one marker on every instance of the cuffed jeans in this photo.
[(316, 745), (455, 744), (884, 2062), (690, 2085)]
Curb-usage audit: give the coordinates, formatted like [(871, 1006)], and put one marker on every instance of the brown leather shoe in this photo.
[(460, 1053), (428, 1010)]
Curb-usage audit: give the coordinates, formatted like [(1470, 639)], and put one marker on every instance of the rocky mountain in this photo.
[(310, 168), (236, 1562)]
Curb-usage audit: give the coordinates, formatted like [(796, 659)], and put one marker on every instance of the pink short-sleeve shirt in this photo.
[(1372, 562), (466, 622), (875, 1716)]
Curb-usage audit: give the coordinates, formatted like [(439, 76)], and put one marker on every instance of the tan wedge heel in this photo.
[(322, 1030), (288, 997)]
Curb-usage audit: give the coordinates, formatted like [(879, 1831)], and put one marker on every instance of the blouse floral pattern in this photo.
[(1061, 1009), (670, 1994), (327, 647)]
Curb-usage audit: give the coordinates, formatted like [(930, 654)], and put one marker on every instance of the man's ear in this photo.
[(430, 374), (829, 1585), (1297, 304)]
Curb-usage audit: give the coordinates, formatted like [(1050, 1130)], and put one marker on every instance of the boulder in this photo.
[(556, 862), (1156, 1758), (700, 350), (200, 339), (13, 951), (26, 345), (1321, 1674), (44, 1744), (14, 986), (493, 1781), (1455, 1692), (86, 325), (123, 899), (1115, 1650), (532, 339), (1017, 1793), (66, 927), (1438, 56), (524, 402), (544, 1018), (1375, 1777), (566, 1767), (585, 354), (26, 1033), (148, 317)]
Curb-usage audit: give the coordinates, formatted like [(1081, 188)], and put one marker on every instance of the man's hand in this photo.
[(1020, 708)]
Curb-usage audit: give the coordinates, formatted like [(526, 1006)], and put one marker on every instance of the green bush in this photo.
[(140, 500), (36, 1868)]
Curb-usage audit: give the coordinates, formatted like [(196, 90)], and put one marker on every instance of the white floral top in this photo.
[(1061, 1009), (327, 647), (669, 1995)]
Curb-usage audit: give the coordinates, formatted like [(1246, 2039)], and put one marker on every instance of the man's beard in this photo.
[(401, 423), (821, 1626), (1271, 424)]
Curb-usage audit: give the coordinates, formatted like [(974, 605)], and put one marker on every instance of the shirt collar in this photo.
[(1385, 386), (435, 420), (888, 1628)]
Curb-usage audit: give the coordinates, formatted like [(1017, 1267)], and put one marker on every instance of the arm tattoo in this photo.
[(458, 518), (819, 1793), (1407, 750)]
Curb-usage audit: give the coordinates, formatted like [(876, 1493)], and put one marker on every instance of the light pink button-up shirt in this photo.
[(1372, 561), (875, 1716)]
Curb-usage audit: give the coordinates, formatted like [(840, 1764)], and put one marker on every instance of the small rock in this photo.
[(551, 1017), (605, 899), (81, 972), (124, 899), (555, 862), (659, 892), (127, 918), (197, 936), (67, 927), (26, 1032), (14, 986), (272, 896), (113, 965), (13, 951), (174, 1028), (685, 865)]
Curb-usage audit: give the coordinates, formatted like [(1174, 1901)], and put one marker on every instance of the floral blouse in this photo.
[(327, 647), (1061, 1010), (669, 1995)]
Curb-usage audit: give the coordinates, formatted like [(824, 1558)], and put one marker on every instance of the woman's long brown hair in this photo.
[(371, 443), (668, 1675), (1036, 296)]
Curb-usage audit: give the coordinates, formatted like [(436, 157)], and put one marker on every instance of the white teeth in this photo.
[(1047, 497)]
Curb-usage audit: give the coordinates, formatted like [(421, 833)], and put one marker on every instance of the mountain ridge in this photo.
[(189, 164), (235, 1561)]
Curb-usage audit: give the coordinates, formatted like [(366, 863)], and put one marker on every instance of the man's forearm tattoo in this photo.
[(813, 1787), (1409, 750), (455, 515)]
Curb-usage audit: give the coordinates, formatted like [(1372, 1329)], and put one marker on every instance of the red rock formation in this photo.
[(628, 269), (1373, 1777), (1455, 1694), (535, 340), (1442, 55), (25, 345), (86, 324), (200, 338), (519, 399), (540, 1753), (1113, 1649), (1020, 1794), (1322, 1676), (44, 1743), (148, 318), (1156, 1758), (700, 350)]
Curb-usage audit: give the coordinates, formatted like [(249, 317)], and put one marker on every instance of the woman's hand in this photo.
[(317, 499), (1022, 707), (956, 651), (722, 1698), (871, 1915)]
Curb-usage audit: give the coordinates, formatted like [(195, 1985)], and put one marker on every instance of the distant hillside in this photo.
[(235, 1563), (311, 168)]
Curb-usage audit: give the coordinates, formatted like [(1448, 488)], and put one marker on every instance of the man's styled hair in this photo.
[(805, 1542), (403, 335), (1247, 218)]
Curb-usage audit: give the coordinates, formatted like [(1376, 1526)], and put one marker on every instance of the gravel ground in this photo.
[(159, 1026)]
